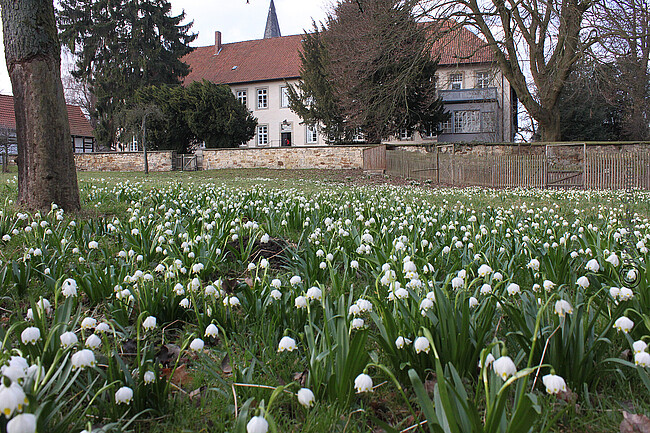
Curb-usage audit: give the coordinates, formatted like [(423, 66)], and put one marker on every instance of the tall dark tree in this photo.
[(372, 66), (590, 108), (121, 46), (46, 167), (200, 112)]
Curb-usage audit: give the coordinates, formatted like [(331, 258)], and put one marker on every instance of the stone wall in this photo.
[(324, 157), (570, 150), (123, 161)]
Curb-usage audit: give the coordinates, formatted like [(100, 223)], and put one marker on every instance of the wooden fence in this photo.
[(593, 171)]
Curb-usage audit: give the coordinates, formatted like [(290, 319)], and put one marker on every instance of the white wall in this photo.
[(275, 114)]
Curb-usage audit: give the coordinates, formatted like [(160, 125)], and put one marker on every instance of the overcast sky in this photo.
[(236, 20)]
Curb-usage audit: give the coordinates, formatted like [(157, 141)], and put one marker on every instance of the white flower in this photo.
[(82, 359), (554, 384), (489, 359), (623, 324), (457, 282), (233, 301), (533, 264), (257, 424), (30, 335), (583, 282), (44, 305), (548, 285), (421, 344), (185, 303), (513, 289), (625, 294), (197, 345), (69, 288), (504, 367), (354, 264), (306, 397), (613, 260), (276, 283), (639, 346), (354, 310), (211, 330), (288, 344), (123, 395), (314, 293), (363, 383), (486, 289), (357, 323), (401, 293), (300, 302), (149, 377), (563, 307), (295, 280), (473, 302), (484, 270), (251, 266), (197, 267), (68, 339), (631, 275), (12, 398), (265, 238), (497, 276), (149, 323), (592, 265), (23, 423), (425, 305), (93, 341), (264, 263), (88, 323), (364, 305), (93, 245), (614, 292), (400, 342), (642, 359), (276, 294)]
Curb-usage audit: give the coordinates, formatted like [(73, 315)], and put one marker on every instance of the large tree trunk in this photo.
[(549, 125), (46, 168)]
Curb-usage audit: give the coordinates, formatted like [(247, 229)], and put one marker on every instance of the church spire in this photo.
[(272, 26)]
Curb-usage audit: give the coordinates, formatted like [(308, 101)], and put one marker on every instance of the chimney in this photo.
[(217, 42)]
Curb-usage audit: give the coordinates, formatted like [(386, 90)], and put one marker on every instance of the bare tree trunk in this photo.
[(46, 167)]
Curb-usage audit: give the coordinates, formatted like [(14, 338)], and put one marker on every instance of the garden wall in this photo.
[(123, 161), (323, 157)]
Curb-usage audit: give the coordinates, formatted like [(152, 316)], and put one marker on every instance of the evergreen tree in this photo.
[(369, 68), (200, 112), (590, 107), (121, 46)]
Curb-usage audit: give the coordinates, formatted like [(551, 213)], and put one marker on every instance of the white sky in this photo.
[(236, 20)]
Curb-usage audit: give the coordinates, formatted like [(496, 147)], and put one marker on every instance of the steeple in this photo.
[(272, 27)]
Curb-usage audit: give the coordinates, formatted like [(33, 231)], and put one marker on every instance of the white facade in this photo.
[(276, 123)]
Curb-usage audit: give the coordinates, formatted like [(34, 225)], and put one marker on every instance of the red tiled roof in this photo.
[(242, 62), (459, 45), (278, 58), (79, 125)]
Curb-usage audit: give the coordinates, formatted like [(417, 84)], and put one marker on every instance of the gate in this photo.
[(185, 162), (374, 159), (566, 165)]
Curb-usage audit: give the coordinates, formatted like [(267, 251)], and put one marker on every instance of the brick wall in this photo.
[(123, 161), (324, 157)]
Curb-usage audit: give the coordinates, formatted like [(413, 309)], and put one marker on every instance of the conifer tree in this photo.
[(121, 46)]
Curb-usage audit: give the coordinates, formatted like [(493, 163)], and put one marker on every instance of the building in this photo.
[(81, 132), (475, 92)]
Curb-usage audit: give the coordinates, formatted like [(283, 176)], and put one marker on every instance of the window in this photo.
[(262, 135), (312, 134), (467, 121), (445, 127), (455, 81), (262, 99), (405, 134), (242, 96), (284, 97), (429, 132), (489, 121), (483, 80), (133, 146), (358, 136)]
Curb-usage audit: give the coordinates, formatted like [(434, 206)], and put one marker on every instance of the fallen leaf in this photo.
[(168, 354), (634, 423), (180, 377), (225, 365), (249, 281)]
